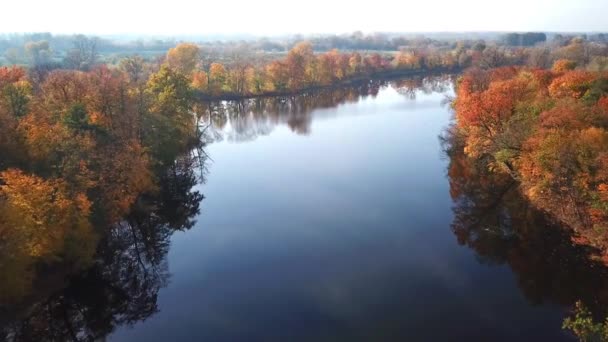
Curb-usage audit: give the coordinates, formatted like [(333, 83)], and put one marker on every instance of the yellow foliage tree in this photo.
[(184, 58), (40, 221)]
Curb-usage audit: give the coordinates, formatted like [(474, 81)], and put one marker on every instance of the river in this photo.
[(335, 216)]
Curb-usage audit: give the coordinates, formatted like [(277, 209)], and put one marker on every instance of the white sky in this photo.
[(275, 17)]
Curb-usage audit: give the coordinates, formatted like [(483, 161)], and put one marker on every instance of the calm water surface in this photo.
[(335, 225), (338, 217)]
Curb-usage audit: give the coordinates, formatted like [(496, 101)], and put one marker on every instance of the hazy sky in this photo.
[(268, 17)]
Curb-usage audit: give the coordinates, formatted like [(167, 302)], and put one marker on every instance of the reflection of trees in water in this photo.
[(426, 85), (121, 288), (492, 218), (247, 119)]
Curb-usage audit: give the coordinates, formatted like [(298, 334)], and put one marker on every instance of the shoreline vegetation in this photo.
[(303, 70), (388, 75), (548, 130)]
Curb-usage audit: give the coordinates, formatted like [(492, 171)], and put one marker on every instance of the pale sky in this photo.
[(276, 17)]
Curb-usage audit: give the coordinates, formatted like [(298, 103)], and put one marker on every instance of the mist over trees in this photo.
[(79, 51)]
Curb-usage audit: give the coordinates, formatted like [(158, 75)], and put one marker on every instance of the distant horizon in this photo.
[(238, 35)]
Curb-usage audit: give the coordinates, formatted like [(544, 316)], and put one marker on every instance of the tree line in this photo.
[(246, 69), (524, 39), (302, 68)]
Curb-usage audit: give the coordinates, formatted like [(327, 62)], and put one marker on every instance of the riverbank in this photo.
[(388, 75), (548, 130)]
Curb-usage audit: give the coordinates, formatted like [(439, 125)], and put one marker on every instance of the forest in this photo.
[(78, 150)]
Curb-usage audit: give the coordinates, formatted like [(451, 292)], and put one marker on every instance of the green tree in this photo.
[(584, 327), (170, 124)]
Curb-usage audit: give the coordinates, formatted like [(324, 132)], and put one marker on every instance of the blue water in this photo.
[(338, 231)]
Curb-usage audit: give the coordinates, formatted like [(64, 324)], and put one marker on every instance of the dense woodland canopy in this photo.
[(77, 150), (548, 129)]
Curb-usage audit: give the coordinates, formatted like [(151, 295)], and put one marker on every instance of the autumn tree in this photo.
[(200, 81), (184, 58), (62, 88), (355, 63), (296, 62), (491, 117), (563, 65), (137, 73), (573, 84), (278, 76), (256, 79), (217, 77), (237, 73)]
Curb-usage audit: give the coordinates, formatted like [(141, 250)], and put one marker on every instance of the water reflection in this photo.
[(122, 286), (492, 218), (247, 119)]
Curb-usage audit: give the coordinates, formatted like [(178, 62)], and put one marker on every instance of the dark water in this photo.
[(335, 217)]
